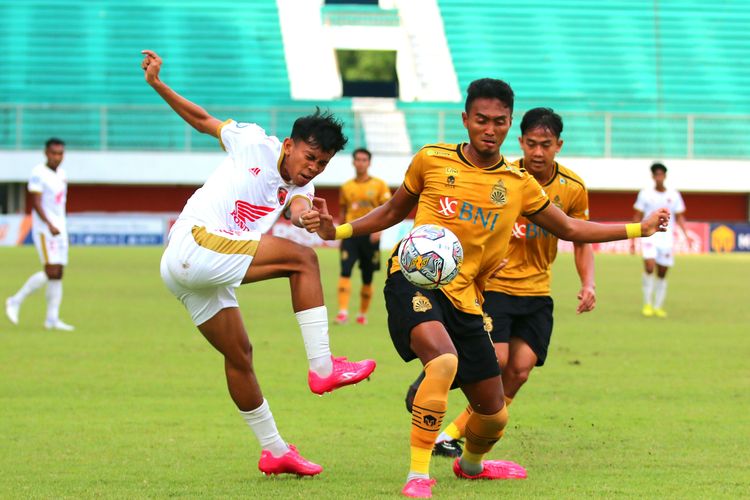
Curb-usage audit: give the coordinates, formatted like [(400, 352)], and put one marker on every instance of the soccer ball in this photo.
[(430, 256)]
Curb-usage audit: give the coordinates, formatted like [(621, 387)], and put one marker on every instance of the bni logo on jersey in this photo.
[(450, 208)]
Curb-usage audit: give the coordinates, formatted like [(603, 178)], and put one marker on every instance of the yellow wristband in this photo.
[(633, 230), (345, 231)]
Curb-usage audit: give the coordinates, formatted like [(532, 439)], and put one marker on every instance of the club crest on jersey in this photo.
[(281, 195), (245, 212), (498, 194), (557, 202), (450, 181)]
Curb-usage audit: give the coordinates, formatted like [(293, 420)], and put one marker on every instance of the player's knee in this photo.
[(443, 367), (519, 374), (242, 358), (307, 258)]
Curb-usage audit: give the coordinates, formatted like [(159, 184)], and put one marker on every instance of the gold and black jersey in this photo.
[(479, 204), (360, 198), (533, 249)]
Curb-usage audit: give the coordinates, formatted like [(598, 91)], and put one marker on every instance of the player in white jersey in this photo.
[(220, 241), (658, 252), (48, 189)]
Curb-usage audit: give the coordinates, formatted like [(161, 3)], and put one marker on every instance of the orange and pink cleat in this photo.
[(419, 488), (290, 462), (344, 373), (493, 469)]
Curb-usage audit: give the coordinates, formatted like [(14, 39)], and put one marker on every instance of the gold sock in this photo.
[(457, 428), (345, 288), (365, 296), (482, 432), (428, 410)]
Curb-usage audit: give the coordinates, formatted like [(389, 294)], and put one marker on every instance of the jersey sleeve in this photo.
[(579, 209), (679, 204), (236, 136), (414, 177), (640, 202), (35, 182), (534, 198)]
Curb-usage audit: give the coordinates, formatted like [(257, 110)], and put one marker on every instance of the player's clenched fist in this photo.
[(656, 222), (151, 64)]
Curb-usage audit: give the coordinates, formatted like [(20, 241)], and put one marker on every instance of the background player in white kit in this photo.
[(658, 251), (219, 242), (48, 188)]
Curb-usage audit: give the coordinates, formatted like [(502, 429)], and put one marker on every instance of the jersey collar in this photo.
[(459, 151), (554, 175)]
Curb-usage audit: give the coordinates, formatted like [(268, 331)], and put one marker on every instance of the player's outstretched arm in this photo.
[(567, 228), (194, 115), (386, 215)]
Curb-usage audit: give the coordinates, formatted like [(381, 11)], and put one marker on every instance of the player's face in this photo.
[(361, 163), (302, 161), (539, 147), (659, 177), (487, 122), (54, 155)]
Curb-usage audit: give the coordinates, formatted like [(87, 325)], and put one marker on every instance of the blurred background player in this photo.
[(48, 189), (218, 242), (517, 300), (358, 197), (658, 252), (445, 328)]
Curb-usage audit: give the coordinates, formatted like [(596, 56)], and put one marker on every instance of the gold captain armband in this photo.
[(633, 230), (345, 231)]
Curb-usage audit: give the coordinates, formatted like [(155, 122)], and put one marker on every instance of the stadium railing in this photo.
[(587, 134)]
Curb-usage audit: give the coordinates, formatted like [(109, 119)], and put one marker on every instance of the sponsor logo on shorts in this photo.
[(245, 212)]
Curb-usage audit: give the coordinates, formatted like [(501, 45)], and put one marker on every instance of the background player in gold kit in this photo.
[(358, 197), (445, 328), (517, 300)]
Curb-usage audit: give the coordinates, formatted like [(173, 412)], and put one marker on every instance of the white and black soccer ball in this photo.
[(430, 256)]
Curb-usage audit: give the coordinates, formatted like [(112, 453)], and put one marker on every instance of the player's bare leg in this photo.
[(226, 332), (660, 291), (649, 266), (521, 361), (279, 257)]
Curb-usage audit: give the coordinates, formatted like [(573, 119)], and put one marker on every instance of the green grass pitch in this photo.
[(133, 403)]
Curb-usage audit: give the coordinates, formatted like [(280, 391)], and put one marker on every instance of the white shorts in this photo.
[(662, 254), (53, 250), (203, 267)]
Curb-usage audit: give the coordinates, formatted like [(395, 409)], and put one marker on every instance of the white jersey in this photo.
[(53, 187), (650, 200), (246, 192)]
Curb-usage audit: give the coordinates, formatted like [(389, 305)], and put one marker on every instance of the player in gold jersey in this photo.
[(517, 301), (470, 189), (357, 197)]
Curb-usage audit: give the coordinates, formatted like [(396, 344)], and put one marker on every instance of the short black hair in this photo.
[(53, 141), (544, 118), (658, 166), (362, 150), (321, 130), (489, 88)]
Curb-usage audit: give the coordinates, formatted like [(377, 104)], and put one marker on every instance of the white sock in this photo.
[(660, 292), (34, 283), (443, 437), (263, 425), (416, 475), (54, 298), (314, 325), (648, 288)]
